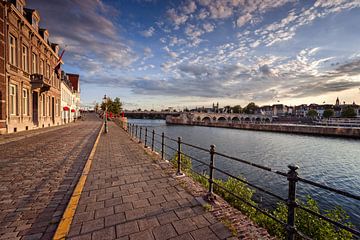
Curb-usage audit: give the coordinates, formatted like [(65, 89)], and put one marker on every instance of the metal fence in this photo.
[(150, 138)]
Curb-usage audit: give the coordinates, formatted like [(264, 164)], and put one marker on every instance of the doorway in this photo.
[(35, 108), (53, 110)]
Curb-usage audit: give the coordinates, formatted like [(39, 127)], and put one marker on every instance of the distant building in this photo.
[(67, 100), (29, 87), (75, 82)]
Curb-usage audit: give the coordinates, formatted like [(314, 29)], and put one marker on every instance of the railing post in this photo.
[(140, 134), (132, 130), (210, 195), (292, 177), (127, 127), (162, 145), (178, 172), (145, 141), (152, 140), (136, 131)]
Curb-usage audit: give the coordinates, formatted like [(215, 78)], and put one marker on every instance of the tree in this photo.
[(348, 112), (251, 108), (328, 113), (312, 113), (236, 109), (114, 107)]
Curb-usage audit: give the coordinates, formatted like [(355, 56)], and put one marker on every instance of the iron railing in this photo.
[(291, 176)]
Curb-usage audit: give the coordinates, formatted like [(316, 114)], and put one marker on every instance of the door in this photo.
[(53, 110), (35, 108)]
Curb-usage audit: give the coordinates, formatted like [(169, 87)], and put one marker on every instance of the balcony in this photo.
[(38, 82)]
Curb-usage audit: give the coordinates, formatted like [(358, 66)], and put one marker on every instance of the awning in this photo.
[(66, 108), (72, 110)]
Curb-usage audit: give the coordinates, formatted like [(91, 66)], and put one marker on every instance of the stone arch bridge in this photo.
[(220, 118)]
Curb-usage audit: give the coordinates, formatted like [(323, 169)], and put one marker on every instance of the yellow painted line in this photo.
[(65, 223)]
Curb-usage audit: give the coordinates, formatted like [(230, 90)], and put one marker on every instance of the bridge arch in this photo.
[(206, 119), (235, 119), (221, 119)]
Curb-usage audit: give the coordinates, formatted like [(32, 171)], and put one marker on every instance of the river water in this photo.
[(331, 161)]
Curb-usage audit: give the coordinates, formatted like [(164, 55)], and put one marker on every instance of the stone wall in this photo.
[(298, 129)]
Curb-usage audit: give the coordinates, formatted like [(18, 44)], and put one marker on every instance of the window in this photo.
[(19, 7), (41, 67), (47, 70), (44, 105), (35, 22), (12, 99), (56, 107), (48, 103), (25, 106), (25, 65), (12, 50), (34, 63)]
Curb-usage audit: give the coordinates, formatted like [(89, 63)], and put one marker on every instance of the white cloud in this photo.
[(148, 33), (190, 7), (242, 20), (208, 27), (176, 18)]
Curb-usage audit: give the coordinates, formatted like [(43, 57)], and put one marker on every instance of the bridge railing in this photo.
[(164, 143)]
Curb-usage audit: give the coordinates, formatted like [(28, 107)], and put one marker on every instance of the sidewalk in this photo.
[(128, 196)]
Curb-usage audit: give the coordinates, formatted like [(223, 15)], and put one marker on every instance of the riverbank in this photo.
[(270, 127)]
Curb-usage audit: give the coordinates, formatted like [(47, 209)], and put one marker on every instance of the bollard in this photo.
[(136, 131), (210, 195), (145, 141), (132, 130), (140, 134), (292, 177), (162, 145), (178, 172), (153, 139)]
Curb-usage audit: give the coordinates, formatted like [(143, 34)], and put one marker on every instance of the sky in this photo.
[(155, 54)]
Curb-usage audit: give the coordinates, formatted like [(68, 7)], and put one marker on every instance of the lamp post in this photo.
[(105, 114)]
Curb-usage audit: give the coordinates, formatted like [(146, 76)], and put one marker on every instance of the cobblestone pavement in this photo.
[(37, 176), (128, 196)]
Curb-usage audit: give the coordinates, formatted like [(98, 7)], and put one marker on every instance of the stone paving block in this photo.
[(114, 219), (204, 234), (104, 212), (123, 207), (104, 234), (144, 235), (220, 230), (135, 214), (184, 212), (185, 236), (184, 225), (164, 232), (141, 203), (126, 228), (148, 223), (92, 225), (167, 217)]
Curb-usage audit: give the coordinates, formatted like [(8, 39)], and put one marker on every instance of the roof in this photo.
[(74, 79)]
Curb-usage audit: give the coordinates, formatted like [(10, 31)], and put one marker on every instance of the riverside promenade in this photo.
[(128, 196)]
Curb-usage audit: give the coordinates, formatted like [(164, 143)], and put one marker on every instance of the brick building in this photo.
[(29, 87)]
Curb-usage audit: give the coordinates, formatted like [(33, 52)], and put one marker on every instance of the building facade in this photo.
[(75, 82), (29, 87), (67, 100)]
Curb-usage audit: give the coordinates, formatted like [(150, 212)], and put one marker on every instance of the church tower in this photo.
[(337, 102)]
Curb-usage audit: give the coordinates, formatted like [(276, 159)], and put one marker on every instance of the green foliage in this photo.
[(236, 109), (312, 113), (251, 108), (305, 222), (348, 112), (112, 106), (328, 113)]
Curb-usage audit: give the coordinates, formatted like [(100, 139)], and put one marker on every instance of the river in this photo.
[(331, 161)]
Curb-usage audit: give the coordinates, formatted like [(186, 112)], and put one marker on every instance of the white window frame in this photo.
[(12, 50), (34, 63), (41, 70), (24, 57), (12, 99), (25, 102)]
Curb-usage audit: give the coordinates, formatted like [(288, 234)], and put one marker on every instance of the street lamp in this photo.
[(105, 114)]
